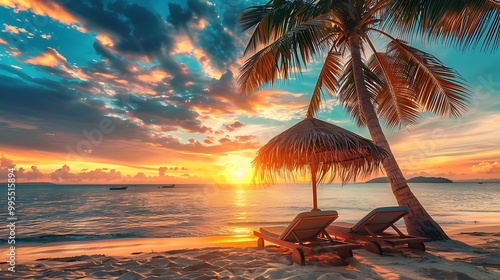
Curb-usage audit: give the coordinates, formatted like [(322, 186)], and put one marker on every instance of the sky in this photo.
[(144, 92)]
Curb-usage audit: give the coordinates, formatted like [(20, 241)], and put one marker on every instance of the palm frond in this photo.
[(275, 19), (466, 22), (439, 89), (348, 94), (283, 57), (395, 101), (327, 80)]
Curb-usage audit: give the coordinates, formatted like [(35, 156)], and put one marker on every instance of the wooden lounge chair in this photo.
[(306, 235), (371, 230)]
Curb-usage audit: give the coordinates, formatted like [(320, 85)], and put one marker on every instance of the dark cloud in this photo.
[(178, 16), (219, 45), (117, 63), (215, 40), (234, 126), (136, 29), (148, 33), (217, 96), (152, 111), (202, 9)]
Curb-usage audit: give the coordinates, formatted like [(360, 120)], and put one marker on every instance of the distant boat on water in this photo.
[(167, 186), (118, 188)]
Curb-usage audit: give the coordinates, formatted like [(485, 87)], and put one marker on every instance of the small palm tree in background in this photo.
[(395, 84)]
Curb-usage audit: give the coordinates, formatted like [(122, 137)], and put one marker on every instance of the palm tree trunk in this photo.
[(418, 221)]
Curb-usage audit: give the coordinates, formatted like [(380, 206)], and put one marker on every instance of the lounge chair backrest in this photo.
[(380, 219), (307, 225)]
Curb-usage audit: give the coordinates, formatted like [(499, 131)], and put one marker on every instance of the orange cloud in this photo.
[(13, 29), (184, 46), (486, 167), (51, 9), (50, 57), (2, 41), (105, 40), (155, 76), (278, 104)]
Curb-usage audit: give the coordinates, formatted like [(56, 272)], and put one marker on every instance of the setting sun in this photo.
[(237, 169)]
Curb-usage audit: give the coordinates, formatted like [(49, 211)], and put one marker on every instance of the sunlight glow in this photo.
[(237, 169)]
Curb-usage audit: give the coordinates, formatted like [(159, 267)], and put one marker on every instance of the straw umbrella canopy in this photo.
[(323, 150)]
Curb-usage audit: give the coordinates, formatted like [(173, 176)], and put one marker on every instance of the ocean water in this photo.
[(54, 213)]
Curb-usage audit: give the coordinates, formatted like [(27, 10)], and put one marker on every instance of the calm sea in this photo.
[(54, 213)]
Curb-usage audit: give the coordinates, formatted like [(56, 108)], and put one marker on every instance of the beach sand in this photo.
[(473, 253)]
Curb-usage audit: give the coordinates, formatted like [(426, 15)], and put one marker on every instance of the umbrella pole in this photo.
[(313, 174)]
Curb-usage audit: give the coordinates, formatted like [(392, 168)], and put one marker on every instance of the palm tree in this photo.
[(397, 84)]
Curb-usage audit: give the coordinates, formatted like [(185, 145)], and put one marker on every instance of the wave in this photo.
[(71, 237)]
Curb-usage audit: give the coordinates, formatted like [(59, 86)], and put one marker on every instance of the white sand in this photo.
[(474, 253)]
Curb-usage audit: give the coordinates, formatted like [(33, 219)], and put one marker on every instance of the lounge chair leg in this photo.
[(298, 256), (374, 247), (418, 246), (260, 242), (344, 254)]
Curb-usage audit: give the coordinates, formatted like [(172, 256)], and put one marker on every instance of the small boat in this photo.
[(168, 186), (118, 188)]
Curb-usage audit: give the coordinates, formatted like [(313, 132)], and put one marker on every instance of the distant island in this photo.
[(419, 179)]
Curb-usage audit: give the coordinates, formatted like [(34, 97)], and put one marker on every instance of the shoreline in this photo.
[(473, 253), (128, 246)]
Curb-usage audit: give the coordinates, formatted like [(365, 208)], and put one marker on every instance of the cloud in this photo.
[(209, 140), (178, 16), (158, 112), (14, 29), (224, 140), (44, 8), (32, 174), (133, 29), (50, 57), (245, 138), (234, 126), (219, 45), (6, 163), (64, 174), (487, 167), (162, 171)]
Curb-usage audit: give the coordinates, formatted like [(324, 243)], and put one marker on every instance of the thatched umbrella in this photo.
[(324, 150)]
